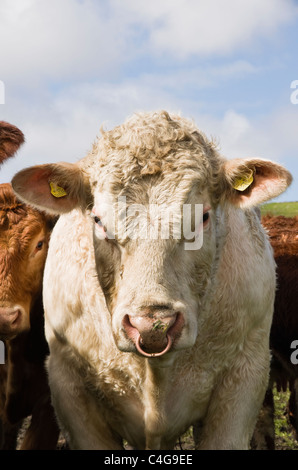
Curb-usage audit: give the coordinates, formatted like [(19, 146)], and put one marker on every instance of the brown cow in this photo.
[(24, 238), (11, 138), (283, 233)]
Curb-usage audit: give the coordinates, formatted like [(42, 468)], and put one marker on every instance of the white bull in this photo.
[(147, 337)]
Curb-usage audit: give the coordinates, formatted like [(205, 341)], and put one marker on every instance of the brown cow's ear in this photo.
[(11, 138), (55, 188), (249, 182)]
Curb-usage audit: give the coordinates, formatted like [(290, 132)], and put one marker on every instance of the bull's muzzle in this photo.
[(153, 335), (10, 321)]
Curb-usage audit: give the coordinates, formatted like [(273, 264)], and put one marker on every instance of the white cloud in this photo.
[(272, 136), (85, 39), (63, 127), (191, 27), (234, 129), (46, 40)]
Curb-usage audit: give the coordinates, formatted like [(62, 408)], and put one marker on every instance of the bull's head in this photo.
[(137, 176)]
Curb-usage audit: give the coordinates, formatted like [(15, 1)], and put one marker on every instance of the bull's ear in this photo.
[(55, 188), (249, 182), (11, 138)]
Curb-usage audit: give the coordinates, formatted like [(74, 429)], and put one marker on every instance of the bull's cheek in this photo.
[(122, 342), (107, 284), (106, 273), (188, 336)]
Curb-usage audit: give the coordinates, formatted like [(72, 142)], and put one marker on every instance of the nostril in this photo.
[(176, 329), (17, 316), (131, 331), (10, 315)]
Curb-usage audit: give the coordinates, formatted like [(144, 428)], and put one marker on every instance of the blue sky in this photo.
[(72, 66)]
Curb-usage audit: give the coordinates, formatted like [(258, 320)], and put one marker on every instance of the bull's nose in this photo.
[(10, 321), (153, 335), (9, 315)]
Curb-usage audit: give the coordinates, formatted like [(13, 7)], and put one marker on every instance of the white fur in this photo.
[(98, 390)]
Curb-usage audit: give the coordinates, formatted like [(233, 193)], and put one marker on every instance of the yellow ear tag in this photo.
[(243, 182), (57, 191)]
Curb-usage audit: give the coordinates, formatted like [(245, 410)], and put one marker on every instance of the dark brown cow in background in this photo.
[(283, 233), (10, 140), (24, 238)]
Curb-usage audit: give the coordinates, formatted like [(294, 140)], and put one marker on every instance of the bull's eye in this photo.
[(98, 221), (101, 229), (205, 217), (39, 245)]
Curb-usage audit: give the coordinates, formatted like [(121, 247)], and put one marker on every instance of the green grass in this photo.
[(284, 435), (288, 209)]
